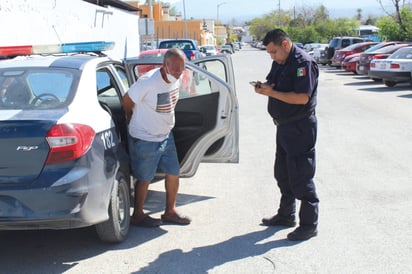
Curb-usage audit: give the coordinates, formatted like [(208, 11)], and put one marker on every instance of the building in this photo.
[(48, 22), (166, 26)]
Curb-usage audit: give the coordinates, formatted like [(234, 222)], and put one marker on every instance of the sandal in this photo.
[(145, 221), (175, 218)]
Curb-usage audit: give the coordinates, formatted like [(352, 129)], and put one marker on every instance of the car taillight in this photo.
[(192, 56), (372, 65), (379, 57), (68, 142), (395, 66)]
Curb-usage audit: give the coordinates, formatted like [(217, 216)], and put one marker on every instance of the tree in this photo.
[(392, 29), (397, 16)]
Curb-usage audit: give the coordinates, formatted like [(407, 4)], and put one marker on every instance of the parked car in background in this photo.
[(340, 54), (395, 69), (387, 49), (320, 54), (310, 48), (149, 54), (189, 47), (209, 50), (299, 44), (351, 62), (226, 49), (337, 43), (237, 45)]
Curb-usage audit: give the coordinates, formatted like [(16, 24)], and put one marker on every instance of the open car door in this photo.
[(207, 114)]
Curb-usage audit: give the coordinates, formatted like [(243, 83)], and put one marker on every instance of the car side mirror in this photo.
[(203, 50)]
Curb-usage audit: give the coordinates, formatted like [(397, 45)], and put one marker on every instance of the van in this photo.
[(340, 43)]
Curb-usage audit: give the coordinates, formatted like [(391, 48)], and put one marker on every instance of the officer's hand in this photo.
[(263, 88)]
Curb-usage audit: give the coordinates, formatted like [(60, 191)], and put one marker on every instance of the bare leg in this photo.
[(172, 187), (140, 197)]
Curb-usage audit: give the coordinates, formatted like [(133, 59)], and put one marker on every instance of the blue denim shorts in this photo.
[(149, 157)]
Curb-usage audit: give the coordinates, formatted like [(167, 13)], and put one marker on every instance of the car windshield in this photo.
[(389, 49), (35, 88), (333, 43)]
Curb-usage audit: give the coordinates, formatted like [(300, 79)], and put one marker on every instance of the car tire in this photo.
[(116, 228), (389, 83)]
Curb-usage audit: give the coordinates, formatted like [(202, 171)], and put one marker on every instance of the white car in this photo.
[(63, 138), (209, 50), (318, 53), (397, 68)]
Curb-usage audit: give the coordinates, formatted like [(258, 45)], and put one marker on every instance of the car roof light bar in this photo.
[(96, 46), (15, 50)]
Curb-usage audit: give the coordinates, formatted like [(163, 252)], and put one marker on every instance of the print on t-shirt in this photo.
[(166, 102)]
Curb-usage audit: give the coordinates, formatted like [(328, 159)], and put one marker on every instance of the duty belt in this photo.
[(279, 122)]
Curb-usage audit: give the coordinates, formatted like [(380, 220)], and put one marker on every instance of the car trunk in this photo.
[(24, 150)]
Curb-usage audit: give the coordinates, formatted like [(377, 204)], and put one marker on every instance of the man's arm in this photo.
[(287, 97), (128, 107)]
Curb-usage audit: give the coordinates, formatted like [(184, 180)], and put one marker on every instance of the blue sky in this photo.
[(247, 9)]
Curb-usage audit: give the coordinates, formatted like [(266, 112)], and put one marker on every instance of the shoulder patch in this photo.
[(301, 72)]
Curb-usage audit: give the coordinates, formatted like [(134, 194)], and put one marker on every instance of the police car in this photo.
[(397, 68), (63, 134)]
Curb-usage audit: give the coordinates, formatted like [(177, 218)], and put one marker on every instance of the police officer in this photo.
[(291, 87)]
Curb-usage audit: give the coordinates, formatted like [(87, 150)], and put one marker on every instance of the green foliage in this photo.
[(307, 25), (393, 29), (314, 25)]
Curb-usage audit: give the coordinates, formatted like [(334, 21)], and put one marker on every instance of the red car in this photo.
[(340, 55), (351, 62), (188, 81), (149, 54), (366, 57)]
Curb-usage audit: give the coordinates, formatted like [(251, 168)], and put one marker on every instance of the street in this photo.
[(364, 154)]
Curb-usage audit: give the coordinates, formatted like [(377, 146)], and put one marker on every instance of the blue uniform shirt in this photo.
[(299, 74)]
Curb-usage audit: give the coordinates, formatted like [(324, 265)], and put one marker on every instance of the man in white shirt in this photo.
[(149, 105)]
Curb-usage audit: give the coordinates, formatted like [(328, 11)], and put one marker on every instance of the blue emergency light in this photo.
[(96, 46)]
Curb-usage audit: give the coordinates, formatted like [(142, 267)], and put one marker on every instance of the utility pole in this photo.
[(217, 8), (184, 17), (279, 14)]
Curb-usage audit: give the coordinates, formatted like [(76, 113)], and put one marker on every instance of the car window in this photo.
[(333, 43), (345, 43), (197, 83), (122, 73), (403, 53), (107, 90), (375, 47), (36, 88)]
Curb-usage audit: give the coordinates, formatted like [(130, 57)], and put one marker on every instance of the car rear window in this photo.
[(176, 44), (35, 88), (402, 53)]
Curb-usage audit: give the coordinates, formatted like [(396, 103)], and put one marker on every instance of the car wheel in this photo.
[(115, 229), (389, 83)]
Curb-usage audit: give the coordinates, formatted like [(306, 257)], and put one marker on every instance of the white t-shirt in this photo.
[(154, 103)]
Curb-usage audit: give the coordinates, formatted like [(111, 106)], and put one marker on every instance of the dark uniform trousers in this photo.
[(295, 168)]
